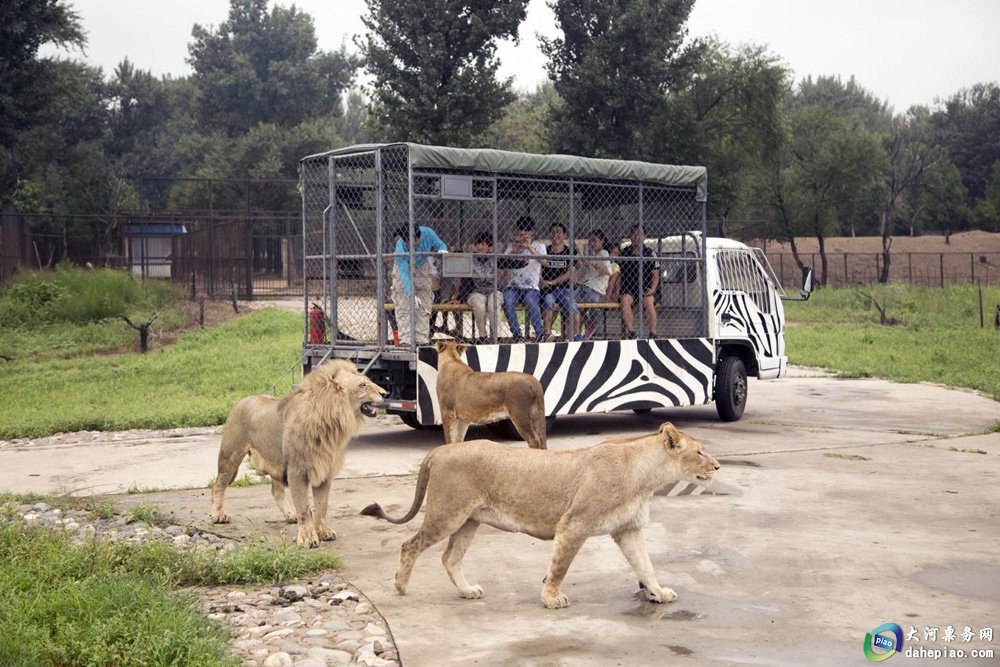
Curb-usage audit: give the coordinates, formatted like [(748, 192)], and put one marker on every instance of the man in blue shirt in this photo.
[(415, 282)]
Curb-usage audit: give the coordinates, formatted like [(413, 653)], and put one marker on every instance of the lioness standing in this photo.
[(565, 496), (299, 441), (469, 397)]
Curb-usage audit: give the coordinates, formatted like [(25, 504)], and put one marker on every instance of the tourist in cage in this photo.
[(523, 286), (636, 287), (592, 279), (416, 281), (555, 284)]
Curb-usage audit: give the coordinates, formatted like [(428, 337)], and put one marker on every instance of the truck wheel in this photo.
[(505, 428), (410, 419), (731, 389), (642, 411)]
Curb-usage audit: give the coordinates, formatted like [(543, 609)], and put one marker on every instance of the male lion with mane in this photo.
[(468, 397), (299, 441), (565, 496)]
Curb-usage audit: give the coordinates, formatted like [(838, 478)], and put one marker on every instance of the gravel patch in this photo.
[(308, 622)]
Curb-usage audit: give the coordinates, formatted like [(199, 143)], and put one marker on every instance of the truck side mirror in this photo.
[(807, 283)]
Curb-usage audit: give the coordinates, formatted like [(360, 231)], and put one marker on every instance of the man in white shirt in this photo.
[(523, 285)]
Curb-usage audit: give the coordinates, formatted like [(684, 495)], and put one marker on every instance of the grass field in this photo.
[(114, 603), (192, 383), (936, 336), (89, 384)]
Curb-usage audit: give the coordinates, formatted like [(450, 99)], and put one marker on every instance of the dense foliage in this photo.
[(820, 156)]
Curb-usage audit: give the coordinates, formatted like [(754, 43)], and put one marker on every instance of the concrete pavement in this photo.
[(855, 503)]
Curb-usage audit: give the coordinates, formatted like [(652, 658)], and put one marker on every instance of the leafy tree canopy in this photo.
[(25, 91), (613, 67), (968, 128), (433, 67), (264, 67)]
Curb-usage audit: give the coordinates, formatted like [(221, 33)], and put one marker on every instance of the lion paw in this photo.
[(557, 601), (660, 595), (326, 534), (291, 518), (220, 518), (308, 538), (472, 593)]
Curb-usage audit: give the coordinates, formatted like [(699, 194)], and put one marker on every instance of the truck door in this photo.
[(749, 310)]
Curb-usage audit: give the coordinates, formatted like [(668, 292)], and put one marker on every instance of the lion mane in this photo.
[(299, 441)]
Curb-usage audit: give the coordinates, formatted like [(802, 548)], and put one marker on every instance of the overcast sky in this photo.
[(905, 51)]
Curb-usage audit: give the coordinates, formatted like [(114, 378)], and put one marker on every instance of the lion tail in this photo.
[(423, 476)]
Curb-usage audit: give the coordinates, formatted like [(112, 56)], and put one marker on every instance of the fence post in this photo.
[(941, 259), (845, 271)]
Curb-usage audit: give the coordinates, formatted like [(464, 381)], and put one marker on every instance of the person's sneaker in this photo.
[(630, 335), (651, 336), (545, 338), (518, 339), (578, 337)]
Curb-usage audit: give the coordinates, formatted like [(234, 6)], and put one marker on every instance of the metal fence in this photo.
[(929, 269), (257, 256), (353, 205)]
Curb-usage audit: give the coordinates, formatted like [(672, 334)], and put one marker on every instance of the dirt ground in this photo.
[(974, 241)]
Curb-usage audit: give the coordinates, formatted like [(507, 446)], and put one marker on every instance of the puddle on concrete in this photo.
[(976, 580), (661, 612)]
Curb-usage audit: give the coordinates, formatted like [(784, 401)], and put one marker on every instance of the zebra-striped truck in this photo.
[(396, 238)]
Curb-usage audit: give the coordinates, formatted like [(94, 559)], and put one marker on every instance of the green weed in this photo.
[(149, 513)]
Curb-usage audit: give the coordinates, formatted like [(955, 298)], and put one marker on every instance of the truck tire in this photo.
[(410, 419), (731, 389), (505, 428)]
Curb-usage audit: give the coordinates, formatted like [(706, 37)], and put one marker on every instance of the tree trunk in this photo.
[(886, 259), (823, 265), (789, 232)]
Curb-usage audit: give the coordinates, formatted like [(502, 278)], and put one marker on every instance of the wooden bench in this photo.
[(466, 308), (603, 307)]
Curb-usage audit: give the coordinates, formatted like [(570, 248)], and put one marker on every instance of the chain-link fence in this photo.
[(543, 252)]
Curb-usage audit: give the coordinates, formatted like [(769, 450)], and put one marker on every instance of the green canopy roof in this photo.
[(509, 162)]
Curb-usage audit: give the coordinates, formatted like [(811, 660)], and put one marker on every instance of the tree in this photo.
[(141, 110), (732, 118), (987, 209), (968, 128), (352, 124), (433, 67), (612, 68), (829, 165), (939, 202), (25, 90), (261, 67), (846, 99), (266, 152), (523, 126), (910, 152)]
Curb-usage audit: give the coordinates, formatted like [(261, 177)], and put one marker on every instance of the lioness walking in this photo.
[(469, 397), (565, 496)]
